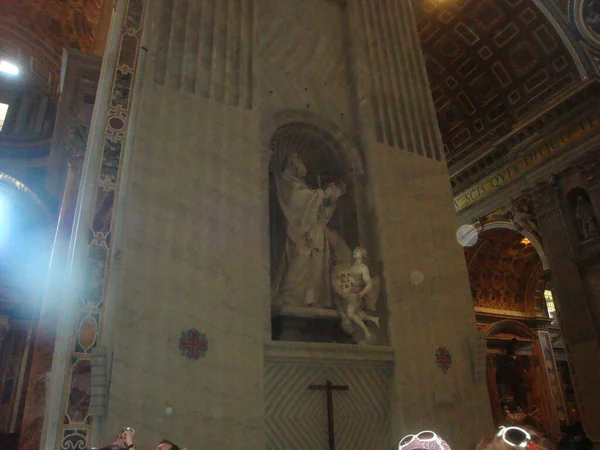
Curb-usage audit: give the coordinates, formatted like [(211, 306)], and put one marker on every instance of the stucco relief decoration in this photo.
[(587, 20), (193, 344), (521, 216), (503, 270), (443, 358)]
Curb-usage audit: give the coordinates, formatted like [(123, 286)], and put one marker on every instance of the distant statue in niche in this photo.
[(304, 277), (522, 217), (359, 291), (75, 144), (586, 222)]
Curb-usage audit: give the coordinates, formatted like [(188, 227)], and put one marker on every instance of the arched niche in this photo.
[(327, 161), (512, 328), (472, 236), (505, 270)]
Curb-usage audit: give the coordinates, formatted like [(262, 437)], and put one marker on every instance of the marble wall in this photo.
[(429, 303), (428, 298), (296, 416), (190, 245), (194, 254)]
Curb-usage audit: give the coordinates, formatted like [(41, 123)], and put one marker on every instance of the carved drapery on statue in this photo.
[(313, 220), (304, 275)]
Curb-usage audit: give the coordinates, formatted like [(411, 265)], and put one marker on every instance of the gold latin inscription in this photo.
[(528, 160)]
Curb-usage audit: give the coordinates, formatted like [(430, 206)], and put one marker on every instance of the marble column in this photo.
[(572, 299), (589, 173), (427, 291), (43, 347)]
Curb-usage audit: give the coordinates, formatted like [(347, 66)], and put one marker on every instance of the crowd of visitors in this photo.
[(126, 441), (504, 438)]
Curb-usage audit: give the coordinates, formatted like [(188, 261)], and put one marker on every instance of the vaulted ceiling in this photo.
[(490, 63), (34, 32), (60, 23), (503, 271)]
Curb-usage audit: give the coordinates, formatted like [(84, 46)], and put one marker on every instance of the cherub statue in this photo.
[(522, 218), (358, 291), (586, 222)]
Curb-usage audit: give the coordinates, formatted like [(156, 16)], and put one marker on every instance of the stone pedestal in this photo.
[(298, 324)]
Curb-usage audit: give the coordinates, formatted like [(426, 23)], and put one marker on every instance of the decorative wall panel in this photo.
[(297, 417), (75, 430), (205, 47)]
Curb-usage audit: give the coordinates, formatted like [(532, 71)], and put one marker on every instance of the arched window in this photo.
[(3, 112), (550, 304)]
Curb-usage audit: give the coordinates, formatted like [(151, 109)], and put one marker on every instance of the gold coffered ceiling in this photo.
[(59, 23), (489, 62)]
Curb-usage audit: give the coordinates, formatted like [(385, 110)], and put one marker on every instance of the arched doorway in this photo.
[(510, 287)]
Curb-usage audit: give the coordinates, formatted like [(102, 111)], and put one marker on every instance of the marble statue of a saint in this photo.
[(304, 277), (522, 218), (586, 222), (359, 291)]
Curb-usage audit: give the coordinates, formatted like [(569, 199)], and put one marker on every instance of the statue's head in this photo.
[(359, 254), (294, 163)]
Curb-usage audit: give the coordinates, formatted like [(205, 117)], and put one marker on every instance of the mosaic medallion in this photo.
[(443, 358), (193, 344)]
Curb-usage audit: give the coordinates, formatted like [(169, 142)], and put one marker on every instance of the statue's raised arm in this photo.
[(304, 279)]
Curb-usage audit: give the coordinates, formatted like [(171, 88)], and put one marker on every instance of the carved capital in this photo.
[(545, 196)]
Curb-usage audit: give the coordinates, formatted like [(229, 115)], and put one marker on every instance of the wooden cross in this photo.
[(329, 387)]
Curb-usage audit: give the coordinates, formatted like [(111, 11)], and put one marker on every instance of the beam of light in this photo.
[(8, 68), (4, 221), (3, 112)]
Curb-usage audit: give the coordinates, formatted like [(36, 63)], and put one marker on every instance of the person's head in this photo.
[(425, 440), (514, 438), (167, 445), (294, 163)]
